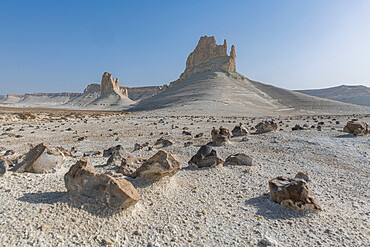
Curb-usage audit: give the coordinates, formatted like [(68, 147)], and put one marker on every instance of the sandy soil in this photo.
[(225, 206)]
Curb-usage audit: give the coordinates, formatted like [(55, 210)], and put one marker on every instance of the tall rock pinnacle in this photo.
[(109, 84), (208, 56)]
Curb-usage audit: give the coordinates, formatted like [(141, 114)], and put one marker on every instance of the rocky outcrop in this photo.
[(161, 164), (83, 180), (208, 56), (240, 159), (357, 128), (240, 130), (292, 192), (266, 126), (92, 88), (4, 165), (40, 159), (220, 136), (109, 84), (206, 157), (130, 165)]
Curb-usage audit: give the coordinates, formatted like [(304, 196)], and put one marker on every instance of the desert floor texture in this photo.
[(224, 206)]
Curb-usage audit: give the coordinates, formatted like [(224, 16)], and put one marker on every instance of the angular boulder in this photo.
[(161, 164), (162, 142), (116, 158), (240, 159), (109, 151), (240, 130), (220, 136), (357, 128), (206, 157), (267, 126), (294, 190), (303, 176), (40, 159), (82, 179), (130, 165), (4, 165)]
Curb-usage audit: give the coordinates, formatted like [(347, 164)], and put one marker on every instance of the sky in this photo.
[(62, 46)]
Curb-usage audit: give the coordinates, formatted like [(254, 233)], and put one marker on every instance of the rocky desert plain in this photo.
[(212, 159)]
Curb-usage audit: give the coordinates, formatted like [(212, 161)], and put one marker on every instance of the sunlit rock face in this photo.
[(109, 84), (208, 56)]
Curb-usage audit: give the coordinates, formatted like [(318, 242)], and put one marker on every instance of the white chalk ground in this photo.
[(225, 206)]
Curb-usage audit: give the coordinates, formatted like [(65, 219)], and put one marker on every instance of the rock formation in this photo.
[(357, 128), (129, 166), (294, 192), (82, 179), (220, 136), (206, 157), (208, 56), (4, 165), (240, 159), (266, 126), (40, 159), (160, 165), (92, 88), (109, 84), (240, 130)]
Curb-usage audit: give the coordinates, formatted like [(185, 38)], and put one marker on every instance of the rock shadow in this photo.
[(43, 197), (272, 210), (80, 202), (345, 136)]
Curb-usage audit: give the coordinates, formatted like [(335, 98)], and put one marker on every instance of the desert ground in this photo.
[(228, 205)]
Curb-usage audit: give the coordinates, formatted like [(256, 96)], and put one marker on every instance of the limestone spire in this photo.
[(232, 52)]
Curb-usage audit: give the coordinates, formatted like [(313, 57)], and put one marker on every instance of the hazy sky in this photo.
[(57, 46)]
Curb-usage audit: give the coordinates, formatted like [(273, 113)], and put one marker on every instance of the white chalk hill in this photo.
[(210, 85)]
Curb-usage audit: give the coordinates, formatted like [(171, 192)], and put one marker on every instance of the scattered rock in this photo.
[(266, 126), (283, 190), (82, 179), (297, 127), (187, 144), (198, 135), (40, 159), (187, 133), (357, 128), (130, 165), (267, 241), (240, 159), (138, 146), (163, 142), (240, 130), (161, 164), (109, 151), (82, 138), (220, 136), (9, 152), (206, 157), (4, 166), (303, 176)]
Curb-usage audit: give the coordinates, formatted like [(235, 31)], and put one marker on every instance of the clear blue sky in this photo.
[(57, 46)]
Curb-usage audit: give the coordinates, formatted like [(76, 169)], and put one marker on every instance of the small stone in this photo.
[(303, 175), (267, 241), (266, 126), (206, 157), (240, 130), (240, 159), (220, 136)]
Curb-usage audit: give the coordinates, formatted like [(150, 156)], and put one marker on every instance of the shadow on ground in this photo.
[(345, 136), (271, 210), (80, 202)]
